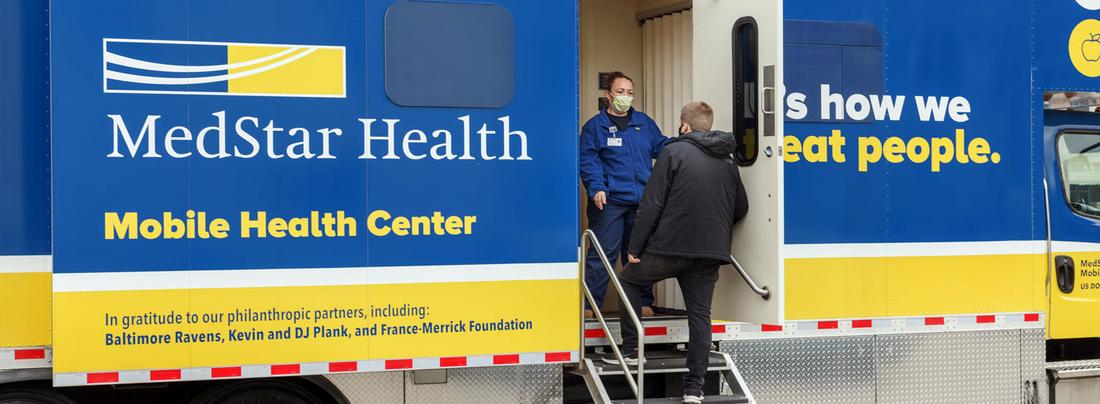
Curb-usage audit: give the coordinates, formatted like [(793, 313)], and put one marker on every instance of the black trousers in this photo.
[(697, 277)]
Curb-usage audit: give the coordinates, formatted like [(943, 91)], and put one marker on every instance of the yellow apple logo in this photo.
[(1084, 47), (1090, 49)]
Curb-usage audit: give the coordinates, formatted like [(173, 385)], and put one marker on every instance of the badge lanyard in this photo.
[(614, 140)]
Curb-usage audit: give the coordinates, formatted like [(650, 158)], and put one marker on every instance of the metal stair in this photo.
[(706, 400), (595, 372), (662, 362)]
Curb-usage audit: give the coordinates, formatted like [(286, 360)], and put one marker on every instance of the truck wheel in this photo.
[(256, 392), (34, 396)]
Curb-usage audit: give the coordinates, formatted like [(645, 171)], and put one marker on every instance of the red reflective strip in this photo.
[(654, 331), (291, 369), (452, 362), (226, 372), (21, 354), (594, 333), (862, 323), (933, 321), (1031, 317), (505, 359), (986, 319), (827, 325), (165, 374), (399, 364), (718, 329), (558, 356), (770, 327), (107, 377), (343, 366)]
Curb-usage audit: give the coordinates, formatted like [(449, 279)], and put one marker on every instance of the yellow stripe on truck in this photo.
[(24, 309), (87, 320), (914, 286)]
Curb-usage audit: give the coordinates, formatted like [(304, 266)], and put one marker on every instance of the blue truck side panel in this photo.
[(923, 54), (267, 116), (24, 131), (1054, 21), (519, 219)]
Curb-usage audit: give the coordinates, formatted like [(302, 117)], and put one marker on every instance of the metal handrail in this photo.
[(764, 292), (607, 332), (639, 386)]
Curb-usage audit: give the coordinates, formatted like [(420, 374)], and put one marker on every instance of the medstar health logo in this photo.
[(223, 68)]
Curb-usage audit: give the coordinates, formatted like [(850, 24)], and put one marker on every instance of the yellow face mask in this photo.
[(621, 103)]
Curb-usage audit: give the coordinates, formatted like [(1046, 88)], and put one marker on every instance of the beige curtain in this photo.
[(666, 67)]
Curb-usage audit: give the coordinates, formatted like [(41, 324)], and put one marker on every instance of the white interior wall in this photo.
[(666, 58), (610, 40)]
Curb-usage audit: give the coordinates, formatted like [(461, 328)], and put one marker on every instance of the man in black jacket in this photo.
[(683, 230)]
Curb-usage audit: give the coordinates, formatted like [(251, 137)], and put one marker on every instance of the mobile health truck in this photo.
[(377, 201)]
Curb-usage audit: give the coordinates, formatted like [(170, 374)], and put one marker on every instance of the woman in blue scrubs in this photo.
[(617, 149)]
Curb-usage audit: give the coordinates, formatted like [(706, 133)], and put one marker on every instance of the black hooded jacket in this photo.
[(692, 200)]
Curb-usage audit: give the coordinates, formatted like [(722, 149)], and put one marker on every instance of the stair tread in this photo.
[(662, 362), (706, 400)]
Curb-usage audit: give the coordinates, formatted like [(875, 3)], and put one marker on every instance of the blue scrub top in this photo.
[(619, 161)]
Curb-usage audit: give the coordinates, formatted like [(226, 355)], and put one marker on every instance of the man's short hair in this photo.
[(698, 115), (615, 75)]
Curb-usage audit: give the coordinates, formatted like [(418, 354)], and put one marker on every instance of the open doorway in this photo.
[(649, 41), (729, 55)]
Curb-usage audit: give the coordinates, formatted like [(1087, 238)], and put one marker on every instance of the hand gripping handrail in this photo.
[(764, 292), (638, 387)]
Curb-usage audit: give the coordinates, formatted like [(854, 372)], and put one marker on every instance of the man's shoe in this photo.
[(589, 314), (630, 358), (647, 311), (692, 399)]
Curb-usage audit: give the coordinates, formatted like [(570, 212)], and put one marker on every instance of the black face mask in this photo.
[(682, 131)]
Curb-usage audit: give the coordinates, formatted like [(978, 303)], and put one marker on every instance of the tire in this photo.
[(258, 392), (34, 396)]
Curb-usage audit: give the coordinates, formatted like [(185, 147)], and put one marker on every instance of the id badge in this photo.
[(614, 142)]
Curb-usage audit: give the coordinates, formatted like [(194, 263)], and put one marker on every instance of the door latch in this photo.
[(1063, 269)]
